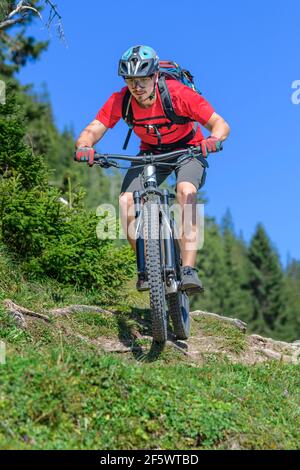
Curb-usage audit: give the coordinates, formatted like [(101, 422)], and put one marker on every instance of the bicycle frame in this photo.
[(169, 271)]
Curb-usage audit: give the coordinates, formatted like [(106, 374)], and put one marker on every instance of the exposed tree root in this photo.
[(19, 313)]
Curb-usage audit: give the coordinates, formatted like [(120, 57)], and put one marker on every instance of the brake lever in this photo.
[(106, 163), (112, 163)]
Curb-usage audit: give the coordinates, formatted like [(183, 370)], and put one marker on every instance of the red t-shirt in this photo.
[(186, 102)]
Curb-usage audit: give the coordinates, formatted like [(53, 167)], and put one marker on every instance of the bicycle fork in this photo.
[(140, 245), (167, 242)]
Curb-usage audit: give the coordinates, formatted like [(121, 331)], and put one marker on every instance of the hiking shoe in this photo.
[(142, 283), (190, 280)]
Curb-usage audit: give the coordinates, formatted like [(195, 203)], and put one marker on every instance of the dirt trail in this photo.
[(129, 334)]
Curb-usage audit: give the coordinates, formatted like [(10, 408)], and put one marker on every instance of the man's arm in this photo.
[(218, 127), (91, 134)]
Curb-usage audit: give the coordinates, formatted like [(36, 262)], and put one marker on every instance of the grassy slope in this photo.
[(58, 391)]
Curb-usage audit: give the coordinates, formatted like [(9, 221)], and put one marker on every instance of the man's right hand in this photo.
[(85, 154)]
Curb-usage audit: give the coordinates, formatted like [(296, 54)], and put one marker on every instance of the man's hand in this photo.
[(85, 154), (211, 144)]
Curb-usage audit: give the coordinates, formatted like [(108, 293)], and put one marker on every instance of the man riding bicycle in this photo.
[(139, 66)]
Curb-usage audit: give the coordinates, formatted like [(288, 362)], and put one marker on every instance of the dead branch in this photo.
[(16, 314), (19, 312), (21, 11), (53, 12), (52, 16), (235, 321), (7, 23)]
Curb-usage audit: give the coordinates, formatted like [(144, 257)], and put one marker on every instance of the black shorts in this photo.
[(190, 171)]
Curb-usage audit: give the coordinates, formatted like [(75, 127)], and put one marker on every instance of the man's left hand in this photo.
[(211, 144)]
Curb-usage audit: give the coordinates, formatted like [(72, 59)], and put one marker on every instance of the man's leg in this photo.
[(187, 198), (127, 216)]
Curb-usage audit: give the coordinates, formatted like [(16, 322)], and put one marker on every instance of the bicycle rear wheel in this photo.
[(153, 264)]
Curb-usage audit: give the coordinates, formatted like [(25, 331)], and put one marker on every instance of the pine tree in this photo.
[(291, 330), (212, 270), (238, 301), (227, 225), (266, 285)]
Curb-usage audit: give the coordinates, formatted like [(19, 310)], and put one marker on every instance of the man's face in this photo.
[(141, 88)]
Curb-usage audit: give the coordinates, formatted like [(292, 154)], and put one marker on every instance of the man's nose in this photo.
[(138, 84)]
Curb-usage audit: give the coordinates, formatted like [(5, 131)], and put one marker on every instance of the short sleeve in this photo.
[(189, 103), (111, 111)]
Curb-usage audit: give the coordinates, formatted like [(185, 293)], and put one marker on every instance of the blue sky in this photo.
[(245, 58)]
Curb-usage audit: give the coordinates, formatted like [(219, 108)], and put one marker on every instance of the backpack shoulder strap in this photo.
[(167, 103), (127, 115)]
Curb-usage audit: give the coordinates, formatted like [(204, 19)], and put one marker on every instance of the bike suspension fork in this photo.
[(140, 246), (167, 234)]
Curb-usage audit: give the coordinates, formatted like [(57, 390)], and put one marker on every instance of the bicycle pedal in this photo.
[(193, 290), (142, 286)]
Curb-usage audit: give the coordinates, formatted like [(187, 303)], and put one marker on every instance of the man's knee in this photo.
[(186, 193), (126, 200), (126, 205)]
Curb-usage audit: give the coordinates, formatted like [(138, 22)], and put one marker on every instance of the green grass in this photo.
[(230, 337), (86, 401), (58, 391)]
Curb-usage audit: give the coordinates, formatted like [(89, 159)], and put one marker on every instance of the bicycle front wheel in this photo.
[(154, 269), (179, 302), (179, 308)]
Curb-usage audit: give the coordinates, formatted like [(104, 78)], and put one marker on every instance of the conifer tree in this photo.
[(237, 301), (266, 285), (212, 271), (291, 329)]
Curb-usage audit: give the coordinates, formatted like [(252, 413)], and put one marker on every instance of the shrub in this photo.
[(49, 237)]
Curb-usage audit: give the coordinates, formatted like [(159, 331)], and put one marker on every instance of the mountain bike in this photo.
[(158, 252)]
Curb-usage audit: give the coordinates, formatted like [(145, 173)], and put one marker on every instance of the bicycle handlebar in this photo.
[(105, 159), (150, 158)]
